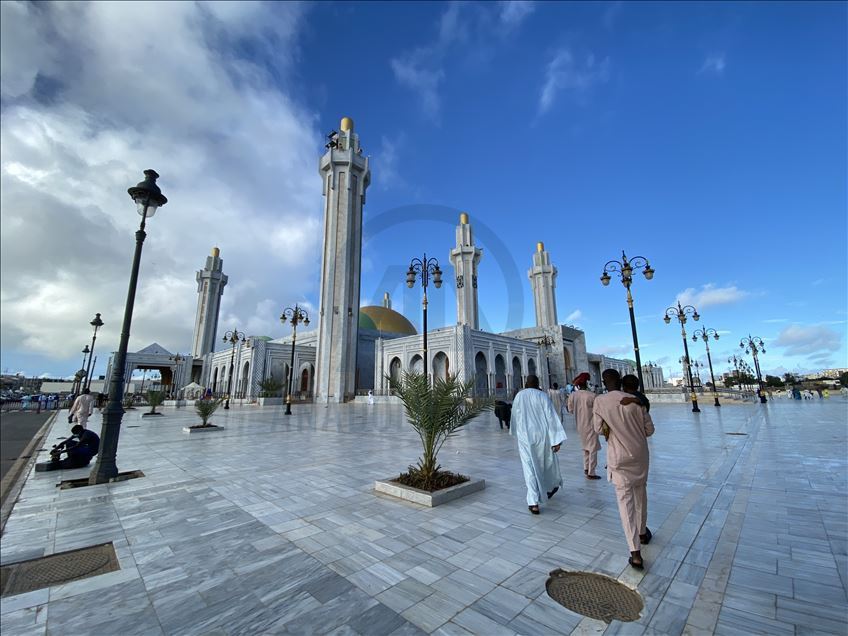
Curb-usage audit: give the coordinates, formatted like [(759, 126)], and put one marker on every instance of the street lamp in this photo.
[(755, 346), (547, 341), (624, 268), (233, 337), (296, 315), (96, 323), (680, 313), (705, 334), (424, 268), (82, 373), (148, 198)]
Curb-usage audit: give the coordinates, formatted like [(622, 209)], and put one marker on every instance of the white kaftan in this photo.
[(627, 459), (82, 408), (538, 428), (580, 403)]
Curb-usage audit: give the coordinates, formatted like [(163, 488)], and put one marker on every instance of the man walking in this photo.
[(82, 408), (580, 404), (540, 435), (627, 428)]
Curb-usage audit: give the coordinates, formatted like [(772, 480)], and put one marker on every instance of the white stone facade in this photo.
[(465, 257), (211, 281), (543, 281)]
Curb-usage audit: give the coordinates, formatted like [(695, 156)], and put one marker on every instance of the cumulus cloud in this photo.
[(710, 295), (810, 340), (197, 97), (566, 73), (714, 63)]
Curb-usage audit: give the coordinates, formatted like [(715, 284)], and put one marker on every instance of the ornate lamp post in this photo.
[(82, 373), (424, 268), (680, 313), (705, 334), (296, 315), (233, 337), (735, 362), (96, 323), (755, 346), (625, 268), (148, 198)]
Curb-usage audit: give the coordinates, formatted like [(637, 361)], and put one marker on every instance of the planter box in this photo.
[(205, 429), (151, 414), (271, 401), (425, 497)]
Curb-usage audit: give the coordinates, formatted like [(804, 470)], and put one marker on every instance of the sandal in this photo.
[(593, 476), (534, 509), (553, 492), (636, 565), (645, 539)]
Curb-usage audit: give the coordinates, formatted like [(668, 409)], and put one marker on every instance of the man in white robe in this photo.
[(627, 427), (83, 407), (580, 404), (540, 435)]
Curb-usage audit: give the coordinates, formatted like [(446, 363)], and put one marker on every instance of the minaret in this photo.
[(465, 257), (211, 281), (345, 176), (543, 281), (387, 300)]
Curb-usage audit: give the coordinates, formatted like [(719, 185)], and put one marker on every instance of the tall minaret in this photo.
[(211, 281), (345, 175), (465, 257), (543, 281)]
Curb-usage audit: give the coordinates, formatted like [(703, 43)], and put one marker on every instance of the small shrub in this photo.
[(205, 409), (154, 399)]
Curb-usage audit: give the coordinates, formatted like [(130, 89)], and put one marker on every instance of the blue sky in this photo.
[(710, 138)]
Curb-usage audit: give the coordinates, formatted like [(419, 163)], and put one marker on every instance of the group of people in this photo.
[(621, 415), (77, 450)]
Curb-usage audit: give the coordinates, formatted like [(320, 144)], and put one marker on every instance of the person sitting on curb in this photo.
[(79, 447)]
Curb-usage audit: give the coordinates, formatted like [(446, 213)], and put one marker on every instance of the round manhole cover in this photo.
[(594, 595)]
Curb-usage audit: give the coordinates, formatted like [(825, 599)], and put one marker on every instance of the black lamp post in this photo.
[(296, 315), (755, 346), (424, 268), (547, 341), (625, 268), (680, 313), (96, 323), (148, 198), (233, 337), (80, 375), (705, 334)]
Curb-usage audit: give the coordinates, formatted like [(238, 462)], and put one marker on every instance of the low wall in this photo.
[(378, 399)]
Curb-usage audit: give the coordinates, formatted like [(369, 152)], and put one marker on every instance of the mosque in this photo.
[(355, 348)]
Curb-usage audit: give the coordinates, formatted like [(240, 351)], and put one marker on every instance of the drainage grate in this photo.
[(736, 433), (35, 574), (594, 595), (83, 481)]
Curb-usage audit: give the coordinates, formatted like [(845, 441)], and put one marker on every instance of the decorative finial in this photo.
[(540, 247), (463, 218), (216, 252), (346, 124)]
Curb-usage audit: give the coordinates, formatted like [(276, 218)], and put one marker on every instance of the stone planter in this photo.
[(151, 414), (271, 401), (203, 430), (425, 497)]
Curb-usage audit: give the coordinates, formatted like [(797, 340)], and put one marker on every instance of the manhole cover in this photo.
[(35, 574), (594, 595)]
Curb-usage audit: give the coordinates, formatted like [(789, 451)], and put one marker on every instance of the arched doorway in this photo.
[(481, 371), (395, 369), (441, 366), (417, 364), (569, 371), (517, 380), (304, 381), (531, 366), (245, 380), (215, 381), (500, 375)]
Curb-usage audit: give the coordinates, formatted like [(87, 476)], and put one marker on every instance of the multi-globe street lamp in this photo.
[(624, 268), (233, 337), (735, 362), (755, 346), (705, 334), (96, 323), (424, 268), (148, 198), (681, 313), (295, 315)]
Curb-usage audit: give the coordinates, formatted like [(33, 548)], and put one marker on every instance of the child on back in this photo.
[(630, 384)]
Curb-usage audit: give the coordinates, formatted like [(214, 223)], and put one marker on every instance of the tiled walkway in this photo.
[(272, 527)]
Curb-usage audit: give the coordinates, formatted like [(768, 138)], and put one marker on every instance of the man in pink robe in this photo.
[(627, 427), (580, 404)]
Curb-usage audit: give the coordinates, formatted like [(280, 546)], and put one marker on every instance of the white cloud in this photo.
[(574, 316), (514, 12), (82, 117), (385, 161), (710, 295), (714, 63), (812, 340), (615, 350), (775, 320), (565, 73)]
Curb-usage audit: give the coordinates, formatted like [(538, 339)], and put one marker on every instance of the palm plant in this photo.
[(436, 411), (154, 399), (270, 386), (205, 409)]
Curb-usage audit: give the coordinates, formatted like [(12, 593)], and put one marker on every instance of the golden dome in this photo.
[(385, 320), (540, 247), (463, 218), (216, 252), (346, 125)]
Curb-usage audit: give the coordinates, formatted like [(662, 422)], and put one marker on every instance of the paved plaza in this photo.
[(271, 526)]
